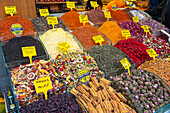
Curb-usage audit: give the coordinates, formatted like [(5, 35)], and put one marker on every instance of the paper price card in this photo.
[(93, 4), (64, 46), (84, 75), (125, 33), (10, 10), (52, 21), (135, 19), (44, 12), (70, 5), (107, 15), (98, 39), (114, 7), (152, 53), (16, 29), (130, 4), (146, 29), (43, 85), (29, 52), (126, 64), (83, 19)]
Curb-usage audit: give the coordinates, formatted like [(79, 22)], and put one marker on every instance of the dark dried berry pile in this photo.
[(54, 104)]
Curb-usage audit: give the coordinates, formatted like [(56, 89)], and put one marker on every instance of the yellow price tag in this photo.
[(16, 29), (152, 53), (146, 29), (84, 75), (64, 46), (70, 5), (29, 52), (130, 4), (98, 39), (83, 19), (135, 19), (52, 21), (125, 33), (126, 64), (10, 10), (94, 4), (114, 7), (43, 85), (44, 12), (107, 15)]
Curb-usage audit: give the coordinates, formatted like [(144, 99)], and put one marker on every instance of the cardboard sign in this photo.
[(94, 4), (125, 33), (16, 29), (107, 15), (10, 10), (29, 52), (70, 5), (64, 46), (152, 53), (44, 12), (135, 19), (146, 29), (83, 19), (114, 7), (84, 75), (126, 64), (52, 21), (98, 39), (43, 85)]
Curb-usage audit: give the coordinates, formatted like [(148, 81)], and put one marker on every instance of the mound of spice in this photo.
[(100, 97), (77, 68), (134, 28), (146, 88), (97, 17), (158, 67), (85, 33), (54, 104), (13, 52), (71, 18), (42, 26), (118, 3), (58, 35), (120, 16), (108, 58), (24, 75), (134, 49), (112, 31), (160, 46), (6, 24), (155, 27)]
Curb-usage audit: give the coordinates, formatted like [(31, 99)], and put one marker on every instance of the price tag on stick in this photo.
[(126, 64), (152, 53), (29, 52), (125, 33), (83, 19), (52, 21), (107, 15), (44, 12), (94, 4), (64, 46), (98, 39), (70, 5), (146, 29), (114, 7), (84, 75), (135, 19), (130, 4), (10, 10), (43, 85)]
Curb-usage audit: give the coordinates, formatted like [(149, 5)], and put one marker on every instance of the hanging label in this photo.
[(43, 85), (98, 39), (93, 4), (126, 64), (130, 5), (52, 21), (16, 29), (29, 52), (84, 75), (135, 19), (107, 15), (64, 46), (70, 5), (146, 29), (152, 53), (10, 10), (125, 33), (44, 12), (114, 7), (83, 19)]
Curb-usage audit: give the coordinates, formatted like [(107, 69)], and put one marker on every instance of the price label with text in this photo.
[(16, 29), (29, 52), (83, 18), (146, 29), (84, 75), (125, 33), (64, 46), (107, 14), (114, 7), (52, 21), (93, 4), (43, 85), (70, 5), (135, 19), (126, 64), (44, 12), (152, 53), (130, 4), (10, 10), (98, 39)]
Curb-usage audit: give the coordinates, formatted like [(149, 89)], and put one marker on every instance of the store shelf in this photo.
[(52, 2)]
